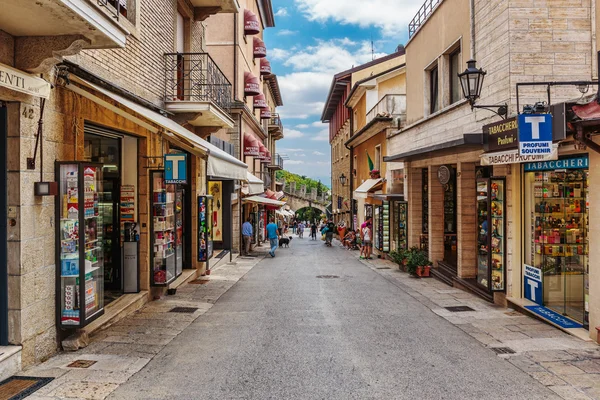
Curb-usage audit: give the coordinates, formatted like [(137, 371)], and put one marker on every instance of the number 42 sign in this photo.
[(535, 134)]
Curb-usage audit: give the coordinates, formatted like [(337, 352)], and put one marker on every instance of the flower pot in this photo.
[(419, 271), (426, 270)]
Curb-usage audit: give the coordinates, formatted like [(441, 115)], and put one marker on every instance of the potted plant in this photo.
[(418, 264), (375, 174), (400, 257)]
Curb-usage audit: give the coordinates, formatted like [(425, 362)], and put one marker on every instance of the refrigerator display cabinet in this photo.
[(79, 244), (166, 226), (383, 227), (400, 212), (491, 240)]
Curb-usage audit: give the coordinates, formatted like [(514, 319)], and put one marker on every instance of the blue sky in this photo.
[(312, 41)]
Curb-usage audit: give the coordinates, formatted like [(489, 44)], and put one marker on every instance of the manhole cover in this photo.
[(327, 276), (459, 308), (503, 350), (199, 282), (383, 268), (184, 310), (81, 364)]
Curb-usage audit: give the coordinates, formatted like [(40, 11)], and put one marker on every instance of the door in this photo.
[(450, 237), (483, 229), (3, 233)]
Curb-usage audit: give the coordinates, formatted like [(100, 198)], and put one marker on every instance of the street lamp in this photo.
[(343, 179), (471, 82)]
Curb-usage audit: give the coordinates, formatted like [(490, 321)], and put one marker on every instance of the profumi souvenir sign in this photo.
[(513, 157), (176, 168), (535, 134), (19, 81)]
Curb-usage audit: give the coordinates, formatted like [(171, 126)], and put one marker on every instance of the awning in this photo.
[(389, 196), (260, 101), (263, 200), (251, 145), (474, 140), (265, 67), (220, 163), (251, 23), (254, 185), (251, 84), (362, 191), (260, 49)]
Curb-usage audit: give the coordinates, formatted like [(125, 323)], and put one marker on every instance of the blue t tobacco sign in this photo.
[(176, 168), (535, 134)]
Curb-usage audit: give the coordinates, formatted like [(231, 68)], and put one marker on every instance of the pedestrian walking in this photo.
[(273, 236), (366, 237), (247, 231), (313, 231), (295, 226), (330, 231)]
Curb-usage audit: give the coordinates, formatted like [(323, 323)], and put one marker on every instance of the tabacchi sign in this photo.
[(22, 82), (501, 135)]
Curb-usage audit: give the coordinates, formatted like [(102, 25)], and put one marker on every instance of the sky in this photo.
[(312, 41)]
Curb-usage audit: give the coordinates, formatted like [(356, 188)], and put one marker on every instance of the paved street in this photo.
[(283, 333)]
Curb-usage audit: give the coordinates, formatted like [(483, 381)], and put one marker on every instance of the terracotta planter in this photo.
[(424, 271)]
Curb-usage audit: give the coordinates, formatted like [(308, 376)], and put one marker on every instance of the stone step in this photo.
[(10, 361)]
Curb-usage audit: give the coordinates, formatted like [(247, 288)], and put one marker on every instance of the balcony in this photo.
[(276, 162), (196, 88), (51, 29), (390, 106), (224, 145), (422, 15), (205, 8), (276, 127)]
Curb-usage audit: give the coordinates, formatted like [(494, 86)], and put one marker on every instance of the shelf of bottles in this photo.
[(80, 252), (491, 230), (164, 231)]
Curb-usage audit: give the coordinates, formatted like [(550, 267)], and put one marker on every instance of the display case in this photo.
[(205, 243), (79, 250), (384, 227), (491, 243), (167, 231), (400, 212), (377, 228)]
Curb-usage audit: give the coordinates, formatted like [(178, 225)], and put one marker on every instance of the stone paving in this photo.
[(568, 366), (125, 348)]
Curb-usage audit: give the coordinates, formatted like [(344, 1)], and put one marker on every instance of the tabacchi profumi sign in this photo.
[(20, 81)]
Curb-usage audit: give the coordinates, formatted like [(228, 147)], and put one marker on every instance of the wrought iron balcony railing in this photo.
[(390, 106), (277, 161), (224, 145), (422, 15), (195, 77), (276, 121)]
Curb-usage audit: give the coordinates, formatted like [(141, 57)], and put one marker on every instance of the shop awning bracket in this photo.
[(31, 160), (585, 139)]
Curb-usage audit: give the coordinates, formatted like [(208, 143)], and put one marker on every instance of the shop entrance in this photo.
[(450, 237), (3, 233), (556, 201), (118, 155)]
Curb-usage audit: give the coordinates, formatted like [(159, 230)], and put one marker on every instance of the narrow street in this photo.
[(284, 333)]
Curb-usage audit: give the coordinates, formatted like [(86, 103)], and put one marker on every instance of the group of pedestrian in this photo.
[(366, 239)]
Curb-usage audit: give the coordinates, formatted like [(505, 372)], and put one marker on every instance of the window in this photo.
[(455, 89), (433, 90), (378, 158)]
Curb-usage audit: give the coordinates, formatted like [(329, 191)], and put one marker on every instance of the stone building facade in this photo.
[(514, 42)]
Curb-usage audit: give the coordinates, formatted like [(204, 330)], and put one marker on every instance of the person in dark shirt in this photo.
[(330, 230)]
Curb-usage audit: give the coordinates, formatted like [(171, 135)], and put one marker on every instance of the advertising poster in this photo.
[(215, 189)]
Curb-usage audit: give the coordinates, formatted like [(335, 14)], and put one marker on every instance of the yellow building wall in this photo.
[(395, 85), (449, 23), (360, 113), (376, 69), (362, 163)]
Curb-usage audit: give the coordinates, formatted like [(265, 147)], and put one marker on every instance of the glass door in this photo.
[(163, 229), (450, 237), (497, 234), (179, 224)]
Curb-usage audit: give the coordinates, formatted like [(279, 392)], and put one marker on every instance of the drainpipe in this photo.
[(473, 51), (235, 62), (351, 177)]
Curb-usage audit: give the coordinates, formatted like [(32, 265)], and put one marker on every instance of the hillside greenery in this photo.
[(300, 180)]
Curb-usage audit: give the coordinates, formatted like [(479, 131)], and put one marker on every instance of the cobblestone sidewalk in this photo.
[(120, 351), (568, 366)]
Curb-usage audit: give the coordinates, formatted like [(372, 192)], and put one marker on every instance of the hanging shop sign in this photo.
[(535, 134), (20, 81), (513, 157), (533, 283), (444, 174), (176, 168), (501, 135), (564, 163)]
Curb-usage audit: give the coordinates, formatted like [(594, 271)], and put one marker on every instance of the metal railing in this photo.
[(196, 77), (224, 145), (390, 106), (276, 121), (113, 7), (422, 15), (277, 161)]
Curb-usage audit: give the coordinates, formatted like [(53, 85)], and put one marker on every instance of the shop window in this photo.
[(556, 233), (433, 90), (455, 88), (425, 207)]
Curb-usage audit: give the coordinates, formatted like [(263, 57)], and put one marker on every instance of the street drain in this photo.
[(459, 308), (383, 268), (184, 310), (327, 276), (81, 364), (503, 350)]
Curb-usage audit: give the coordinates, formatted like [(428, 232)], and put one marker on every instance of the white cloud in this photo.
[(304, 94), (287, 150), (391, 16), (299, 155), (302, 126), (292, 134), (278, 54), (322, 136), (286, 32), (293, 162), (318, 153), (282, 12)]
